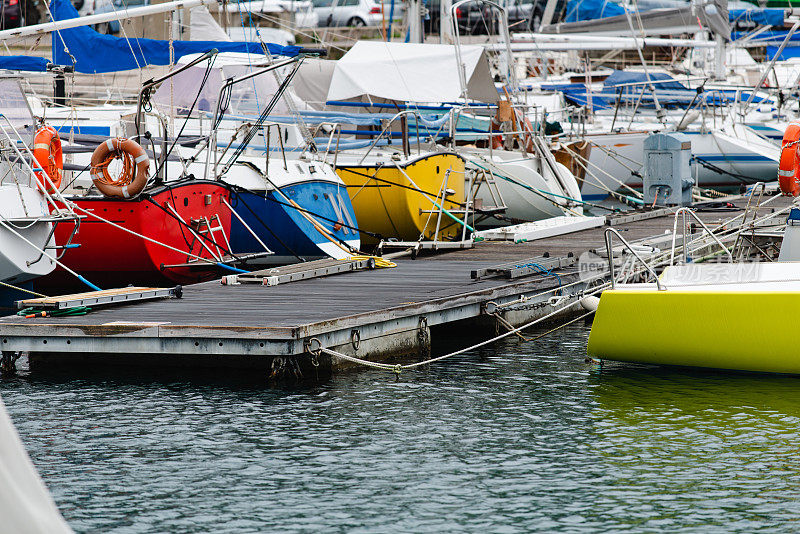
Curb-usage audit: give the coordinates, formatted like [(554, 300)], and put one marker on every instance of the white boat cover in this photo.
[(313, 81), (25, 504), (410, 72), (203, 27)]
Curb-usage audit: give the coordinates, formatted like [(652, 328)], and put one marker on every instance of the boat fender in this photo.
[(590, 303), (47, 153), (788, 175), (135, 168), (504, 114), (527, 132), (497, 140)]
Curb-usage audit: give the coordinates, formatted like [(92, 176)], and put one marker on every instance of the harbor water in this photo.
[(515, 437)]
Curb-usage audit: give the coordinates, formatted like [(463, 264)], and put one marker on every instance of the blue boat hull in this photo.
[(285, 230)]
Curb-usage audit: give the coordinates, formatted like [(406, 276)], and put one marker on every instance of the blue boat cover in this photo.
[(623, 77), (671, 93), (762, 17), (578, 10), (38, 64), (788, 52), (428, 121), (96, 53)]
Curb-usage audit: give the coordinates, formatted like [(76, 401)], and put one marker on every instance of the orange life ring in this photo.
[(135, 168), (47, 153), (788, 171)]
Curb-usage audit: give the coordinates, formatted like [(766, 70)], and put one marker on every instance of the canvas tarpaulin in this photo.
[(28, 63), (92, 52), (410, 72)]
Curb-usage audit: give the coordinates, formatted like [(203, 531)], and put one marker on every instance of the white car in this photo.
[(355, 12)]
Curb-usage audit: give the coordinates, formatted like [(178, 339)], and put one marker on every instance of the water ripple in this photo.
[(515, 437)]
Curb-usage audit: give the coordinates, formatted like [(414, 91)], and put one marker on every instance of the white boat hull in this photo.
[(19, 260), (528, 194), (738, 155)]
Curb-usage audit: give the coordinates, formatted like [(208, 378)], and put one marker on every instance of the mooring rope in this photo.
[(398, 368)]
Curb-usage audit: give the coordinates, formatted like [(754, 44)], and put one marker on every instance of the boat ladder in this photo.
[(484, 177), (208, 233)]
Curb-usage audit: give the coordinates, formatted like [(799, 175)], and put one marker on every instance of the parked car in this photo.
[(433, 18), (83, 7), (107, 6), (16, 13), (354, 12), (10, 14), (478, 18)]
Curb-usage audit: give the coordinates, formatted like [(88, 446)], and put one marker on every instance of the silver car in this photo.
[(354, 12)]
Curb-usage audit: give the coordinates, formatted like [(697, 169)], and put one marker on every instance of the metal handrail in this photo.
[(336, 133), (26, 164), (613, 231), (218, 109), (756, 186), (399, 114), (462, 75), (683, 211), (150, 84)]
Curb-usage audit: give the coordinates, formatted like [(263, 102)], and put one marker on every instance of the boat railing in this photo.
[(335, 134), (221, 106), (683, 212), (504, 32), (143, 98), (398, 115), (17, 155), (761, 188), (611, 232)]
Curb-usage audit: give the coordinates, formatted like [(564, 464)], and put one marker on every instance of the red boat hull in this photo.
[(111, 257)]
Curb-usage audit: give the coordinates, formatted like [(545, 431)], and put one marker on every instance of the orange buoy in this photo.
[(527, 131), (496, 140), (47, 153), (135, 168), (788, 176)]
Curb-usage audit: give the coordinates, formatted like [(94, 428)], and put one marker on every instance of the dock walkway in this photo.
[(375, 314)]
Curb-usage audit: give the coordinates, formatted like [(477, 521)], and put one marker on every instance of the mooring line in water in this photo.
[(526, 338), (398, 368)]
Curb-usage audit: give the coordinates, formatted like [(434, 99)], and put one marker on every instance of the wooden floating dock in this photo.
[(379, 314)]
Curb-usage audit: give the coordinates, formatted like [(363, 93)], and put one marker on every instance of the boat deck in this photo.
[(371, 314)]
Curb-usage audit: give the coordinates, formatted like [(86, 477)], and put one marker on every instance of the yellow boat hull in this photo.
[(735, 330), (386, 202)]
